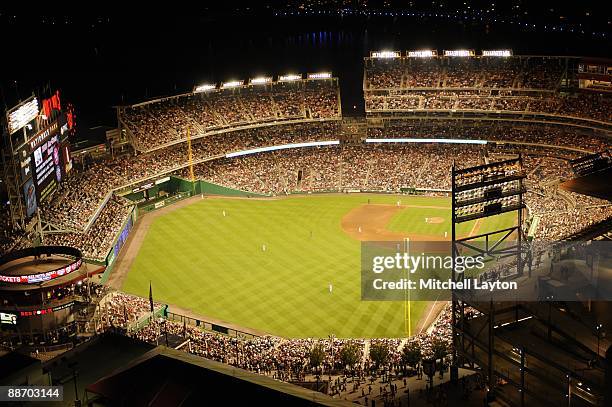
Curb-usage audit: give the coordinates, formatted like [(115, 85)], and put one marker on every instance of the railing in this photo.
[(234, 127), (147, 319), (210, 326)]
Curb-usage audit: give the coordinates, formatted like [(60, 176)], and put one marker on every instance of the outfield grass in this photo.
[(198, 259)]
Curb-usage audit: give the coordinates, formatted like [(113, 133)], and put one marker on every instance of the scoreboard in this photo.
[(47, 161), (38, 131)]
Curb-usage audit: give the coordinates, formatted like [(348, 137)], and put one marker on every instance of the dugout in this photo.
[(160, 188)]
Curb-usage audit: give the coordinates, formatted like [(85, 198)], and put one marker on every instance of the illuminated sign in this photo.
[(42, 277), (497, 53), (6, 318), (385, 54), (289, 78), (45, 311), (424, 140), (459, 53), (204, 88), (231, 84), (51, 104), (64, 306), (123, 236), (37, 312), (143, 187), (260, 80), (21, 115), (320, 75), (428, 53), (161, 181), (42, 135), (283, 147)]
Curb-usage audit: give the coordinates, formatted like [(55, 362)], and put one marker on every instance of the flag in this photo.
[(151, 296)]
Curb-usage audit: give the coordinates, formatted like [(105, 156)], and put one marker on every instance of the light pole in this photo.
[(599, 326), (77, 401)]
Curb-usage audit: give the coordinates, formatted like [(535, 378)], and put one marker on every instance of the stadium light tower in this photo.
[(479, 193)]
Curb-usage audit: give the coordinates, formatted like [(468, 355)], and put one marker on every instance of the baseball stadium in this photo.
[(220, 235)]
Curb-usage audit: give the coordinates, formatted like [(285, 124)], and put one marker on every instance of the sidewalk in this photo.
[(417, 394)]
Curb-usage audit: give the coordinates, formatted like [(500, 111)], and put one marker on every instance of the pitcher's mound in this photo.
[(434, 220)]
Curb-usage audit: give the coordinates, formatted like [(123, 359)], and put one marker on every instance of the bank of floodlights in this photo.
[(260, 80), (497, 53), (459, 53), (231, 84), (205, 87), (385, 54), (290, 77), (427, 53), (319, 75)]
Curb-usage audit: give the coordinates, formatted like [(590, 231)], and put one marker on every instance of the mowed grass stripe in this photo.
[(198, 259)]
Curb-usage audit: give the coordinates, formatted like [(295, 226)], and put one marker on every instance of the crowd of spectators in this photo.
[(12, 238), (167, 120), (551, 135), (560, 212), (385, 168), (117, 310), (580, 105), (580, 212), (470, 72), (280, 358), (8, 236), (485, 84), (97, 241)]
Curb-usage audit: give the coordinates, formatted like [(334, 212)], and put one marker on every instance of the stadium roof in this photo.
[(13, 363), (168, 377), (597, 185)]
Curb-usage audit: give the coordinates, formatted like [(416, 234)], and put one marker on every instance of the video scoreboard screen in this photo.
[(47, 166)]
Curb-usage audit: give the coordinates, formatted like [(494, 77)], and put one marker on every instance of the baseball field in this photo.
[(287, 266)]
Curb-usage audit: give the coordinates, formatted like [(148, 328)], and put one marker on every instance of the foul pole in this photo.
[(191, 176), (407, 304)]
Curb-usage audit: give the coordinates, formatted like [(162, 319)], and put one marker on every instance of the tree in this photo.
[(440, 349), (349, 355), (411, 354), (317, 356), (379, 353)]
